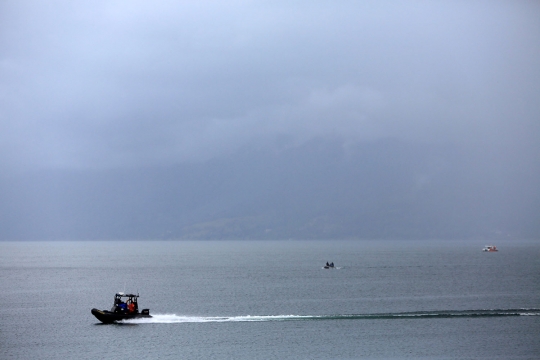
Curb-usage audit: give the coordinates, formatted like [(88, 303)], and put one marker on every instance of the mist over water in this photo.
[(324, 189)]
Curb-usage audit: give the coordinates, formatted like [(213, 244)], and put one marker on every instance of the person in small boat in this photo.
[(331, 264), (122, 307), (131, 306), (327, 264)]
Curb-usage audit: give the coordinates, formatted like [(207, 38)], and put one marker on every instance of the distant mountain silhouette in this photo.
[(323, 189)]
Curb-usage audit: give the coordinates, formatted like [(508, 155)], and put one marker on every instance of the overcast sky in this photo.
[(93, 84)]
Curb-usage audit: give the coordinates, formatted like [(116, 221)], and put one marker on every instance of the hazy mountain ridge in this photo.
[(323, 189)]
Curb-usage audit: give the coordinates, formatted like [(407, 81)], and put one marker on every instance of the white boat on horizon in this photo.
[(490, 248)]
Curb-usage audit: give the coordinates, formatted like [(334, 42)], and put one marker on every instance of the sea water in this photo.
[(272, 299)]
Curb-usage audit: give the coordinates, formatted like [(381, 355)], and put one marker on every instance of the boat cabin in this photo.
[(125, 303)]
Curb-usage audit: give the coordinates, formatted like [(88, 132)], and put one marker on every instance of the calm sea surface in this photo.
[(272, 299)]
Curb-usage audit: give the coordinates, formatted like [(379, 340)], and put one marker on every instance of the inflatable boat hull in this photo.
[(108, 317)]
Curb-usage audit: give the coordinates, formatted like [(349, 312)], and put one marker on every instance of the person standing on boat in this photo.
[(122, 307)]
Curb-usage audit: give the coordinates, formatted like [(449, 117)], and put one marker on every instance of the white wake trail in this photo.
[(175, 319)]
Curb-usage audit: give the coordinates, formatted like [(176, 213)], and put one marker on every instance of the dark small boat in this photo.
[(329, 266), (121, 310)]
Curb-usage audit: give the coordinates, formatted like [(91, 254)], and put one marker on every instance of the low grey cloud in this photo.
[(131, 83)]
